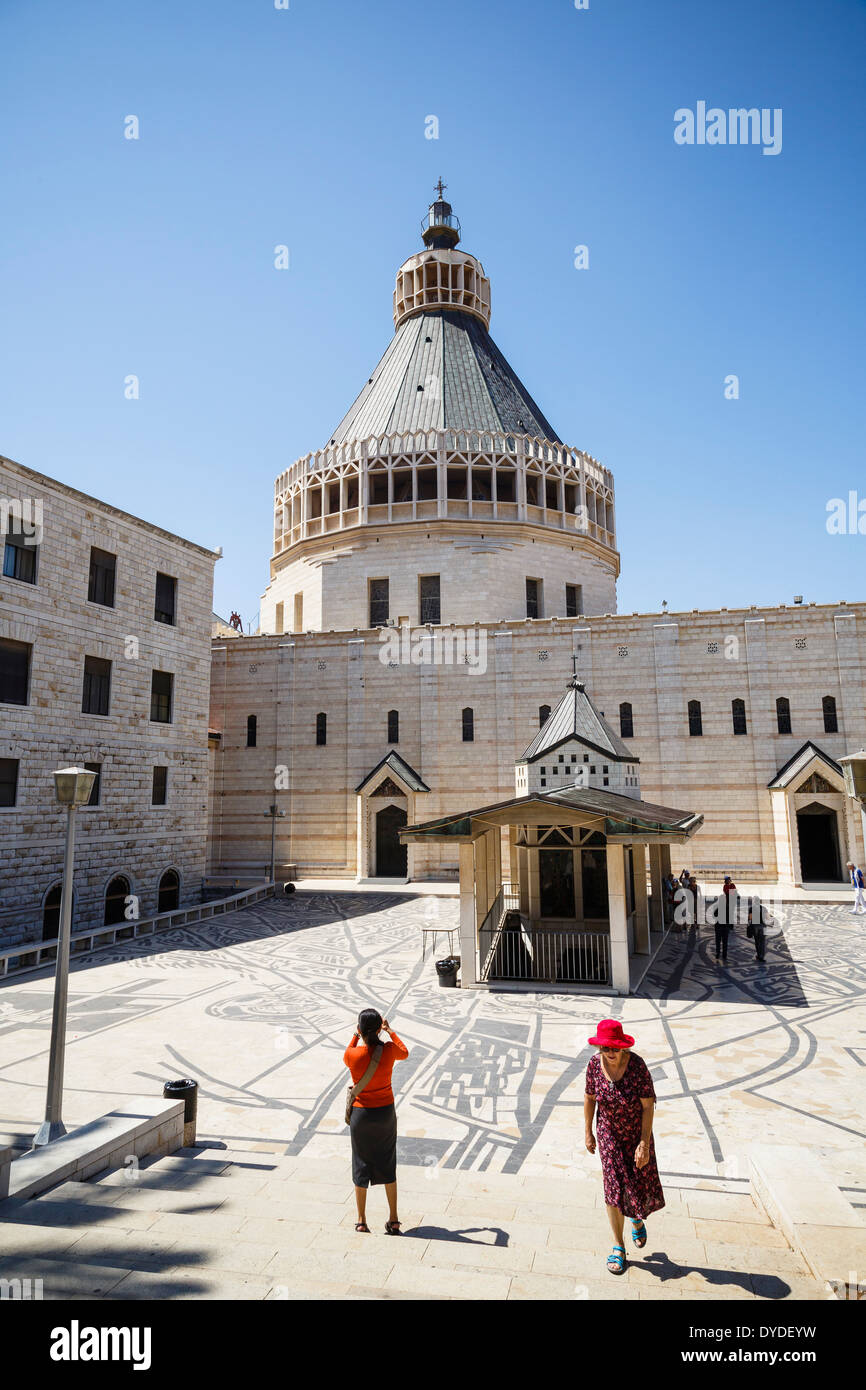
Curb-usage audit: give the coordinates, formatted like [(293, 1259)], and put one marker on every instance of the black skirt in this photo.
[(374, 1145)]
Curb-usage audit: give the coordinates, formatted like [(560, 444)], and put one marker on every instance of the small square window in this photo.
[(544, 781), (592, 771), (586, 757)]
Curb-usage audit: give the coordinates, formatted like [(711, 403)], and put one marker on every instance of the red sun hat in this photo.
[(609, 1034)]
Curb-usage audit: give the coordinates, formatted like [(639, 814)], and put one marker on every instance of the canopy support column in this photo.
[(617, 917)]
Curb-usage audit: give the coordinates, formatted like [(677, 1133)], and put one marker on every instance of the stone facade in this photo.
[(657, 663), (124, 834)]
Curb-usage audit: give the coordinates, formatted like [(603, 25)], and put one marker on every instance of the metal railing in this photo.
[(30, 955), (548, 955)]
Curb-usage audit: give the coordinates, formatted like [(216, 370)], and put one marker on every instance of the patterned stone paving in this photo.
[(259, 1005)]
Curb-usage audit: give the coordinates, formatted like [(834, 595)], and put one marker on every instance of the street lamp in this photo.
[(72, 786), (274, 815)]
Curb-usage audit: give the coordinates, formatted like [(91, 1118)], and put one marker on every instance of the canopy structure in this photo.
[(574, 909)]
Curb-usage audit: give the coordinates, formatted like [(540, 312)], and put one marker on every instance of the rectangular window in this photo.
[(431, 610), (533, 598), (165, 606), (278, 618), (160, 786), (505, 485), (299, 613), (551, 494), (379, 602), (96, 693), (8, 781), (161, 683), (97, 783), (14, 672), (426, 484), (379, 489), (573, 600), (19, 561), (103, 567)]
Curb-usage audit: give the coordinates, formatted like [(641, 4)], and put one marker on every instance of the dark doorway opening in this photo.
[(392, 858), (51, 914), (556, 875), (818, 833)]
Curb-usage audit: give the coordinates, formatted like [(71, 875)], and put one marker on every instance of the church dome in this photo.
[(443, 436)]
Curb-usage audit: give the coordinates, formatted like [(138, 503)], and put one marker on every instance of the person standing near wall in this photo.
[(855, 873)]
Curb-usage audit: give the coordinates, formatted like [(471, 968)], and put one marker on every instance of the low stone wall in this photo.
[(16, 960)]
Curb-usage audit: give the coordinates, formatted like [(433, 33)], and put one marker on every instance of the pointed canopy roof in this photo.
[(577, 717), (442, 370)]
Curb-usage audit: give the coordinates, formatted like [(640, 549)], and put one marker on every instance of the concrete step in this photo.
[(204, 1223)]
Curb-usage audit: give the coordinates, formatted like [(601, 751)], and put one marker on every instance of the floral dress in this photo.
[(634, 1191)]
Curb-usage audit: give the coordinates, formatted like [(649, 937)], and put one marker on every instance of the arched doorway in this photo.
[(51, 913), (168, 897), (115, 900), (818, 833), (391, 856)]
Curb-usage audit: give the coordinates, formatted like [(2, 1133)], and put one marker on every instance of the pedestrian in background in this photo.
[(855, 873), (372, 1116)]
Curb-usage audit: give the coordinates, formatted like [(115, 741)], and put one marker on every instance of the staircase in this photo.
[(218, 1223)]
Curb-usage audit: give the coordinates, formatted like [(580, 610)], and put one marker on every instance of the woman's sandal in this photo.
[(615, 1262), (392, 1228), (638, 1233), (362, 1227)]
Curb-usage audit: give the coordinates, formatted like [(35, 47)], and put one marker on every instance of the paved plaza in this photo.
[(259, 1005)]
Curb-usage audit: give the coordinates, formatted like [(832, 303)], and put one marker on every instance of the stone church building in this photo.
[(440, 569)]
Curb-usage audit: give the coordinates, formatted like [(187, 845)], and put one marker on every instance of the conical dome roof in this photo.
[(442, 370)]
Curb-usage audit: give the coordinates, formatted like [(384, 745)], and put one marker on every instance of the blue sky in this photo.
[(306, 127)]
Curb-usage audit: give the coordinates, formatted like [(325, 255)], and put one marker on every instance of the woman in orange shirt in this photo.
[(373, 1125)]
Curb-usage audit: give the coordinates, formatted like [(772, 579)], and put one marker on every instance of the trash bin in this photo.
[(447, 971), (288, 888), (187, 1091)]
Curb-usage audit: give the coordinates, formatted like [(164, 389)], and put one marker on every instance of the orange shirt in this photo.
[(378, 1090)]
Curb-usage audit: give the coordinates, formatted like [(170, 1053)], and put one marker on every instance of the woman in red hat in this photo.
[(619, 1084)]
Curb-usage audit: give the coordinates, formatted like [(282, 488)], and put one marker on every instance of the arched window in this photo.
[(321, 729), (51, 913), (696, 723), (831, 720), (168, 897), (251, 730), (543, 715), (738, 716), (468, 725), (626, 721), (783, 715), (115, 896), (393, 726)]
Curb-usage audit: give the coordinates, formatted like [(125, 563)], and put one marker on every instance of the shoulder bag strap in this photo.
[(368, 1074)]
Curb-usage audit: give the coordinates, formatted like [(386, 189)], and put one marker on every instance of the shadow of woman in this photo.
[(762, 1285), (461, 1237)]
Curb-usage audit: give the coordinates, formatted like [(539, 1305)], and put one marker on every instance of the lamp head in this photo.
[(73, 785), (854, 768)]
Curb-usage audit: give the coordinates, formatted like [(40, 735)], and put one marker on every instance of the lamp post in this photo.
[(72, 786), (275, 815), (854, 769)]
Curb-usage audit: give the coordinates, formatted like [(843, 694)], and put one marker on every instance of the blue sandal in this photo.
[(616, 1262), (638, 1232)]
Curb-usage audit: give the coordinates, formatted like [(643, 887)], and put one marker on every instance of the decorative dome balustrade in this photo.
[(432, 475)]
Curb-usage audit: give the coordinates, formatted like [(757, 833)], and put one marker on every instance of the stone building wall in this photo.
[(656, 662), (124, 834)]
